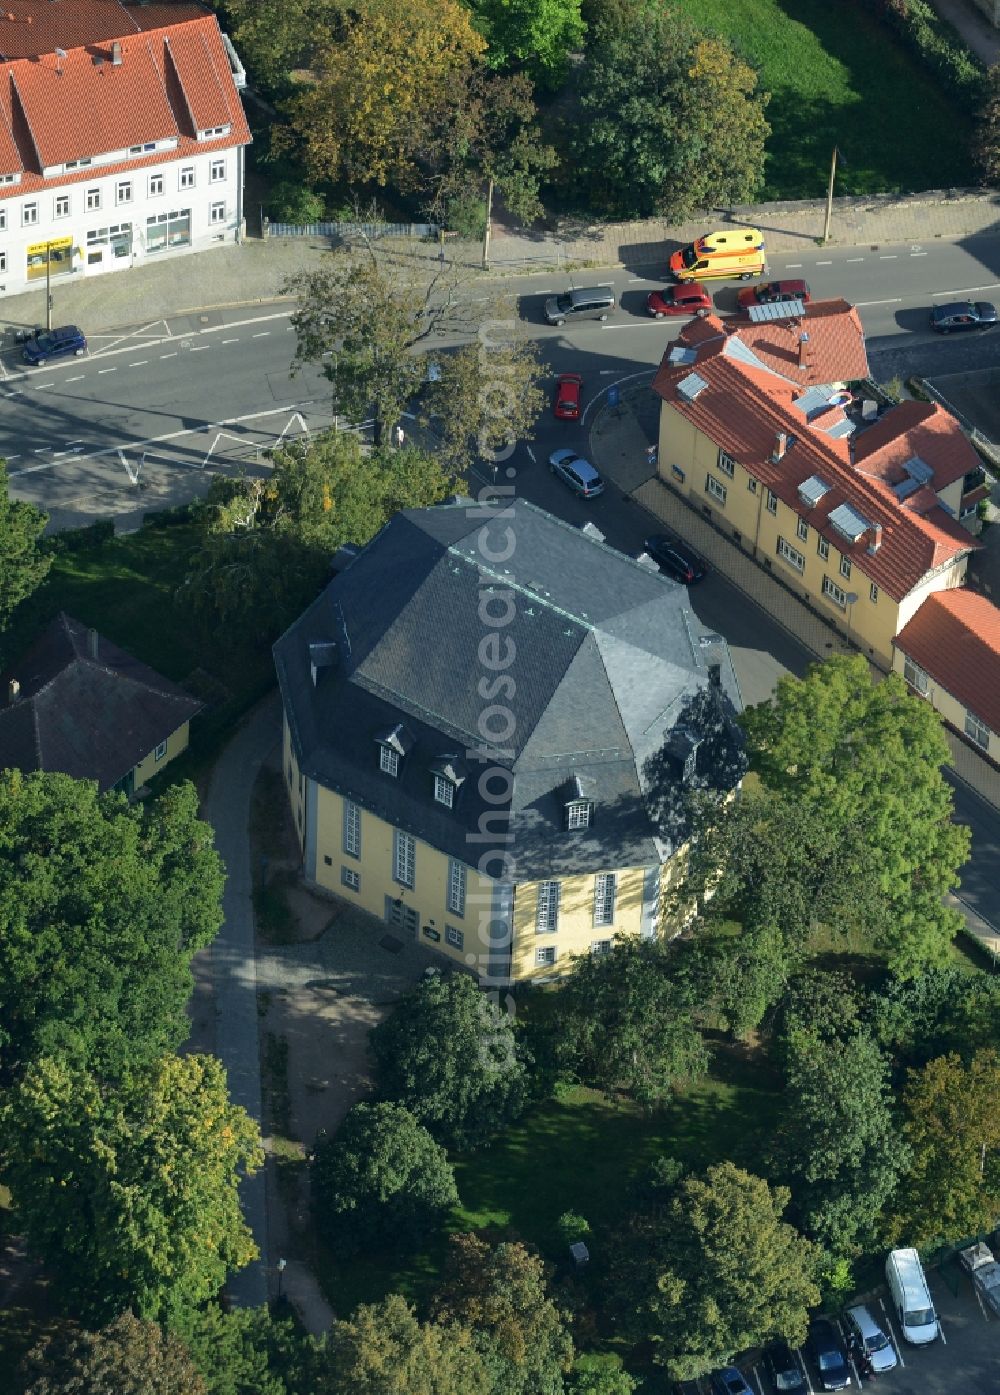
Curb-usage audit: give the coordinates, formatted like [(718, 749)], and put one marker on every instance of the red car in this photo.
[(567, 401), (769, 292), (679, 300)]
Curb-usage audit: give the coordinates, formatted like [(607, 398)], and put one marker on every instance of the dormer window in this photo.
[(578, 814), (449, 773), (393, 746)]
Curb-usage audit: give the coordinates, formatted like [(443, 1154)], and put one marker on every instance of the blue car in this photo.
[(54, 343), (730, 1381)]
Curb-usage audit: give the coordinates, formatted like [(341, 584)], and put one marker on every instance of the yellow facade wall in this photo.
[(759, 522), (951, 709), (177, 742), (575, 931)]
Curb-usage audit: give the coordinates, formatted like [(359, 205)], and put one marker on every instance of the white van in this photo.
[(911, 1297)]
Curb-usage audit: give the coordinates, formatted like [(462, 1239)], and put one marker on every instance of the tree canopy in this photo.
[(130, 1194), (672, 120), (952, 1187), (383, 1349), (448, 1053), (500, 1295), (23, 563), (129, 1356), (621, 1022), (538, 35), (380, 1180), (715, 1271), (486, 399), (867, 758), (102, 905)]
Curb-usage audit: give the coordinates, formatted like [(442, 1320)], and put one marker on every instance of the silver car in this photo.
[(865, 1336), (578, 473)]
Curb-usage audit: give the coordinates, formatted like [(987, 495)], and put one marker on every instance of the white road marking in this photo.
[(230, 341), (792, 266), (199, 348), (889, 257), (824, 263), (40, 387), (9, 458), (639, 324), (531, 453), (107, 370), (173, 355), (78, 379), (897, 1344), (918, 254), (261, 334), (643, 372), (966, 290), (854, 259), (139, 363), (862, 304)]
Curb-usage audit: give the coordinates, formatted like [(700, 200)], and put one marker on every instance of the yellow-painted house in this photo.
[(77, 703), (491, 724), (765, 426)]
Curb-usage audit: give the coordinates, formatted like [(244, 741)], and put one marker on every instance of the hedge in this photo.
[(937, 45)]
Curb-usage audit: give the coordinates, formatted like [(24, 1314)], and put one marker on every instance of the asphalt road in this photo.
[(161, 406)]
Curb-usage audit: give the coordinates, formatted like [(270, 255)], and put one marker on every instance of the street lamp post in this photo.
[(48, 285), (281, 1266)]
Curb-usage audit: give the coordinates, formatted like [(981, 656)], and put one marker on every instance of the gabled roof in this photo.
[(955, 637), (768, 418), (170, 83), (597, 658), (915, 431), (92, 715), (29, 28)]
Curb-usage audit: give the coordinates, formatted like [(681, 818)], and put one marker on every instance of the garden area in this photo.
[(838, 75)]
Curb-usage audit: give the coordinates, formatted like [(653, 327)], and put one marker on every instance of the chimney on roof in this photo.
[(876, 541), (780, 446), (803, 351), (13, 691), (92, 638), (116, 54)]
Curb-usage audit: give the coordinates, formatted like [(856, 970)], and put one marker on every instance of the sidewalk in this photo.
[(255, 271), (974, 28)]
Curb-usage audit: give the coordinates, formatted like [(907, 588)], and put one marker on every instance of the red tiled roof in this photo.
[(59, 109), (746, 404), (915, 429), (833, 352), (29, 28), (955, 637)]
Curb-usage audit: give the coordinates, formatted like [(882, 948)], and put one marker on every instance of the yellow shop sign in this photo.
[(55, 244)]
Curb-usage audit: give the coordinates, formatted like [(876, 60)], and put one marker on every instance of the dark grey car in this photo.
[(584, 303), (963, 314)]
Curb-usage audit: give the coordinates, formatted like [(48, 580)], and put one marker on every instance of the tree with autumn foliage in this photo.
[(129, 1193)]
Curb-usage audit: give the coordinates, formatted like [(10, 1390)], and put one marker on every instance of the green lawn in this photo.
[(577, 1152), (838, 76)]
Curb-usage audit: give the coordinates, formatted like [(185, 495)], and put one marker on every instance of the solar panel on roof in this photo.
[(813, 400), (840, 429), (777, 310), (689, 387)]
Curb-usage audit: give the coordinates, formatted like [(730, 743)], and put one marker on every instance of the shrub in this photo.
[(936, 44), (294, 203)]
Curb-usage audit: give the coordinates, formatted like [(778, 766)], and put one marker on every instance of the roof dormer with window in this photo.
[(394, 745), (449, 774), (578, 808)]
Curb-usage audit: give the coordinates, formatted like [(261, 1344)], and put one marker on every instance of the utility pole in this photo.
[(487, 230), (48, 286), (829, 197)]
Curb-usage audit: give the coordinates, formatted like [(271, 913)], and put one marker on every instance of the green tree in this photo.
[(869, 756), (823, 1003), (266, 543), (486, 399), (986, 148), (361, 318), (23, 563), (603, 1380), (448, 1053), (500, 1295), (102, 905), (537, 35), (129, 1357), (622, 1023), (382, 1349), (943, 1010), (382, 1180), (381, 84), (715, 1271), (838, 1143), (129, 1194), (247, 1351), (952, 1186), (672, 120), (274, 39)]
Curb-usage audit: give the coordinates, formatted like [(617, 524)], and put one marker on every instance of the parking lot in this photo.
[(965, 1361)]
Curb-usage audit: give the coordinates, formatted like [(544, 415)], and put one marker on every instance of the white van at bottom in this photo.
[(911, 1297)]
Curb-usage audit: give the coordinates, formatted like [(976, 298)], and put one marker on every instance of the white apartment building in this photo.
[(118, 149)]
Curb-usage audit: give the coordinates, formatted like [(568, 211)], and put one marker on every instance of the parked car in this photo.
[(576, 472), (679, 300), (566, 405), (827, 1351), (911, 1297), (54, 343), (682, 566), (785, 1369), (981, 1264), (583, 303), (865, 1336), (730, 1381), (770, 292), (963, 314)]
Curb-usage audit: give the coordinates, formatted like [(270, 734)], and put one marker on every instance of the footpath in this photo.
[(255, 271)]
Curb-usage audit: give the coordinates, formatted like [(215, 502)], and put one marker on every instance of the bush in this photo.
[(81, 539), (466, 215), (294, 203), (572, 1227), (937, 45)]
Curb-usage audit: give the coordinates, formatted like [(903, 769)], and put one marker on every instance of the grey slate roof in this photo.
[(90, 716), (599, 658)]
